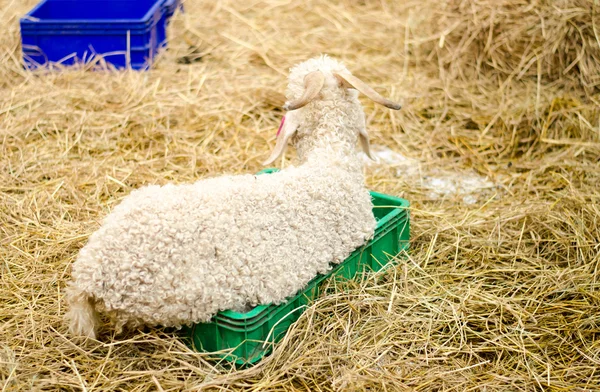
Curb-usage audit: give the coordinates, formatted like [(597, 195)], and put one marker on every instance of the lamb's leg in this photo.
[(81, 317)]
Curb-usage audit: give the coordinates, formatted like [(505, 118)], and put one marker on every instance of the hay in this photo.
[(501, 294), (556, 40)]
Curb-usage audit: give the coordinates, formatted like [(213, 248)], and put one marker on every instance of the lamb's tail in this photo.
[(81, 317)]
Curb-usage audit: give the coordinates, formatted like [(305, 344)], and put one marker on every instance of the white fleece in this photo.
[(172, 255)]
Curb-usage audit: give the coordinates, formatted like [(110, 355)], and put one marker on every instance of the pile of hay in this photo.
[(501, 290), (553, 40)]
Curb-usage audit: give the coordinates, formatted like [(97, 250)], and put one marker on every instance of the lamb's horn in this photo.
[(354, 82), (313, 83)]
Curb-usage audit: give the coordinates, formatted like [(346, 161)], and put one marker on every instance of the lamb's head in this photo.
[(323, 95)]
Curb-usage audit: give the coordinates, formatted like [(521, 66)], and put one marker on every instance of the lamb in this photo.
[(175, 255)]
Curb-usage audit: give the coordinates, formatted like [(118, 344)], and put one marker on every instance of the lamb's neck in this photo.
[(334, 153)]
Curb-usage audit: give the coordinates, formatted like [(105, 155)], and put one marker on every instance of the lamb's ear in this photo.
[(352, 81), (288, 127), (364, 143), (363, 136)]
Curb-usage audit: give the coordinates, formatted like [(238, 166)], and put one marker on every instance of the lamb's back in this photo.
[(169, 255)]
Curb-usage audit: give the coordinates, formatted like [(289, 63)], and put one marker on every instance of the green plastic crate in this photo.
[(245, 338)]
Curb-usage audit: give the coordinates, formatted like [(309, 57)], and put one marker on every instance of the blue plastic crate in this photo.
[(170, 6), (125, 33)]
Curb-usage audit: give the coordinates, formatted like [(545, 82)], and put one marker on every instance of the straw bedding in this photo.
[(501, 293)]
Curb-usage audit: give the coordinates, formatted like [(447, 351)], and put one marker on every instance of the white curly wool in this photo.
[(172, 255)]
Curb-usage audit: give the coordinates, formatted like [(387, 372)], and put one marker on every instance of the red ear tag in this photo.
[(280, 126)]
